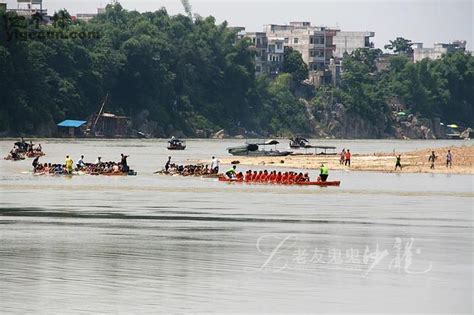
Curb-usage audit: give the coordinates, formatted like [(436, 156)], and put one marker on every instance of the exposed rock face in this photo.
[(413, 128), (146, 126), (337, 122)]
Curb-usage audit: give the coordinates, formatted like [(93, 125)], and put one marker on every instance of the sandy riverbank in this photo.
[(412, 162)]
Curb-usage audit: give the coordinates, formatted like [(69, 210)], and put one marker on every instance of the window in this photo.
[(279, 46), (258, 69), (258, 42), (295, 40), (287, 40), (311, 40), (318, 40), (316, 53)]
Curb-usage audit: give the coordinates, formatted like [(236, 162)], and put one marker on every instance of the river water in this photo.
[(385, 243)]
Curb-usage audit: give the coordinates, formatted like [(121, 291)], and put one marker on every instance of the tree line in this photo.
[(194, 76)]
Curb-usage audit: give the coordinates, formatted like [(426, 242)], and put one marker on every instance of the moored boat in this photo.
[(253, 149), (176, 144), (298, 142)]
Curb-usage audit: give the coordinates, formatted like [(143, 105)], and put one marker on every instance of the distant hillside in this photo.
[(173, 75)]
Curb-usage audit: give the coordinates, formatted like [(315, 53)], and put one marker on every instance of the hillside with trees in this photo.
[(193, 77)]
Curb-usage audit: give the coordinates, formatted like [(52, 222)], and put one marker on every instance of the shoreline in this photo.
[(412, 162)]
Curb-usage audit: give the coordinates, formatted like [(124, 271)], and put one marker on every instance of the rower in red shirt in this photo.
[(248, 176), (257, 178), (278, 178), (264, 176)]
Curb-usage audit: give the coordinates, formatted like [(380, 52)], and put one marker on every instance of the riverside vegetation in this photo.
[(184, 76)]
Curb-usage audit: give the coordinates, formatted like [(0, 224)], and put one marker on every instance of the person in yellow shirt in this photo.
[(69, 164), (324, 173)]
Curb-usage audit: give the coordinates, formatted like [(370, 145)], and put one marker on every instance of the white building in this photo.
[(28, 8), (438, 50), (89, 16), (347, 42), (315, 43)]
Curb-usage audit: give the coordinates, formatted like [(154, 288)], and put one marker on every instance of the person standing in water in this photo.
[(432, 159), (398, 163), (449, 159)]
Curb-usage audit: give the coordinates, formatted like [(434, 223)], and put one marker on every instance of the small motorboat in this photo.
[(298, 142), (176, 144)]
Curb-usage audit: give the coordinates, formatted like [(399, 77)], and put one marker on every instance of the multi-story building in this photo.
[(86, 17), (268, 53), (313, 42), (260, 43), (320, 48), (29, 8), (347, 42), (438, 50)]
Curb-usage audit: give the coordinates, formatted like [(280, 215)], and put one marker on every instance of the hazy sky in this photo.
[(426, 21)]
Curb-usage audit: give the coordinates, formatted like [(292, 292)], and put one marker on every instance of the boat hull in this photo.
[(34, 154), (326, 183)]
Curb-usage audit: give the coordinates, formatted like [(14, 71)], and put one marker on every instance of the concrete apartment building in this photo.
[(438, 50), (347, 42), (27, 8), (269, 53), (320, 48), (86, 17), (313, 42)]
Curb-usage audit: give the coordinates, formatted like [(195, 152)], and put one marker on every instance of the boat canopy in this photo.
[(72, 123), (320, 147)]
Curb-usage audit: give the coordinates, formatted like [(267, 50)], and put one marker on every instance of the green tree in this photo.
[(293, 64), (400, 45), (62, 19)]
